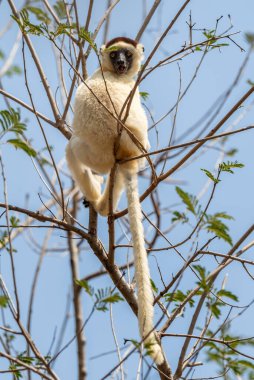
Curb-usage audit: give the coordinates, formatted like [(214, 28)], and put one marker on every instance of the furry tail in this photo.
[(89, 184), (142, 274)]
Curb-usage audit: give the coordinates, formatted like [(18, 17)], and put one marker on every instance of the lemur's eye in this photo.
[(128, 54), (112, 54)]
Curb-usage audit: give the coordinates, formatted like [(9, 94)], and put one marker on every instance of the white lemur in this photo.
[(92, 150)]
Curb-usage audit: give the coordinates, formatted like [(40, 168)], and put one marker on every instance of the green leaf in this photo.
[(24, 15), (219, 229), (231, 152), (218, 45), (228, 294), (3, 301), (39, 14), (114, 298), (201, 271), (19, 144), (203, 275), (179, 216), (87, 36), (154, 287), (209, 33), (134, 342), (235, 367), (84, 284), (59, 8), (3, 239), (246, 363), (144, 95), (104, 297), (10, 121), (250, 38), (189, 200), (26, 26), (14, 221), (38, 362), (25, 359), (13, 70), (16, 373), (215, 309), (178, 297), (111, 48), (223, 215), (228, 166), (62, 29), (209, 175)]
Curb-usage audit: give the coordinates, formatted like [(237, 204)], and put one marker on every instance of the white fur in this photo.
[(91, 149), (142, 273)]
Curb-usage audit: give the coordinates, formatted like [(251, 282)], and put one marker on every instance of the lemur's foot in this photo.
[(86, 203)]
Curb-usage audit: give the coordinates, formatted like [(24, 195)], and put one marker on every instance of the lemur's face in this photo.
[(121, 60)]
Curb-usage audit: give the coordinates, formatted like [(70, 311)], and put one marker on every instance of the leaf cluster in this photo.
[(212, 223), (3, 301), (42, 29), (30, 360), (212, 40), (227, 359), (215, 301), (178, 297), (101, 297), (10, 122)]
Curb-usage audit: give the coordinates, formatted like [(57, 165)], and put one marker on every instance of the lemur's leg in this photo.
[(102, 205), (89, 184)]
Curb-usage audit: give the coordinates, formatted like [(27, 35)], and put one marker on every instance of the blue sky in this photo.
[(234, 195)]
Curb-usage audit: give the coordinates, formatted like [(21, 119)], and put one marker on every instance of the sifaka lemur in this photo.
[(92, 151)]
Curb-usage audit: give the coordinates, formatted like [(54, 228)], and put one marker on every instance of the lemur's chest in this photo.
[(98, 105), (111, 95)]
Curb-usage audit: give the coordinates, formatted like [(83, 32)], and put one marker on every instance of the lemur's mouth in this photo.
[(121, 69)]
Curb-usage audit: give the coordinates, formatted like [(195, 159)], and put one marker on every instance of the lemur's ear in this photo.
[(140, 49), (103, 47)]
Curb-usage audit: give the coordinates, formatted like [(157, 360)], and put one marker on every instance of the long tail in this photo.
[(142, 273)]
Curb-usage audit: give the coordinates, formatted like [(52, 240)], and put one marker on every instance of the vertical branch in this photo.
[(42, 130), (89, 14), (147, 19), (39, 67), (9, 238), (81, 52), (106, 28), (84, 56), (74, 264), (33, 289), (111, 219), (104, 17), (93, 219), (116, 342)]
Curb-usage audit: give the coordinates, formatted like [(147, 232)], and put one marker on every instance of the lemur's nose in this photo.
[(121, 59)]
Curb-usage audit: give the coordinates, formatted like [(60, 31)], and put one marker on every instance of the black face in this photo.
[(121, 60)]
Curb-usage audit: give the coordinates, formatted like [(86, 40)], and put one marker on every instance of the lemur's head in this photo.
[(122, 56)]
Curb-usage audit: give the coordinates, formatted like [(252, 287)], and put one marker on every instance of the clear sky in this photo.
[(235, 195)]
